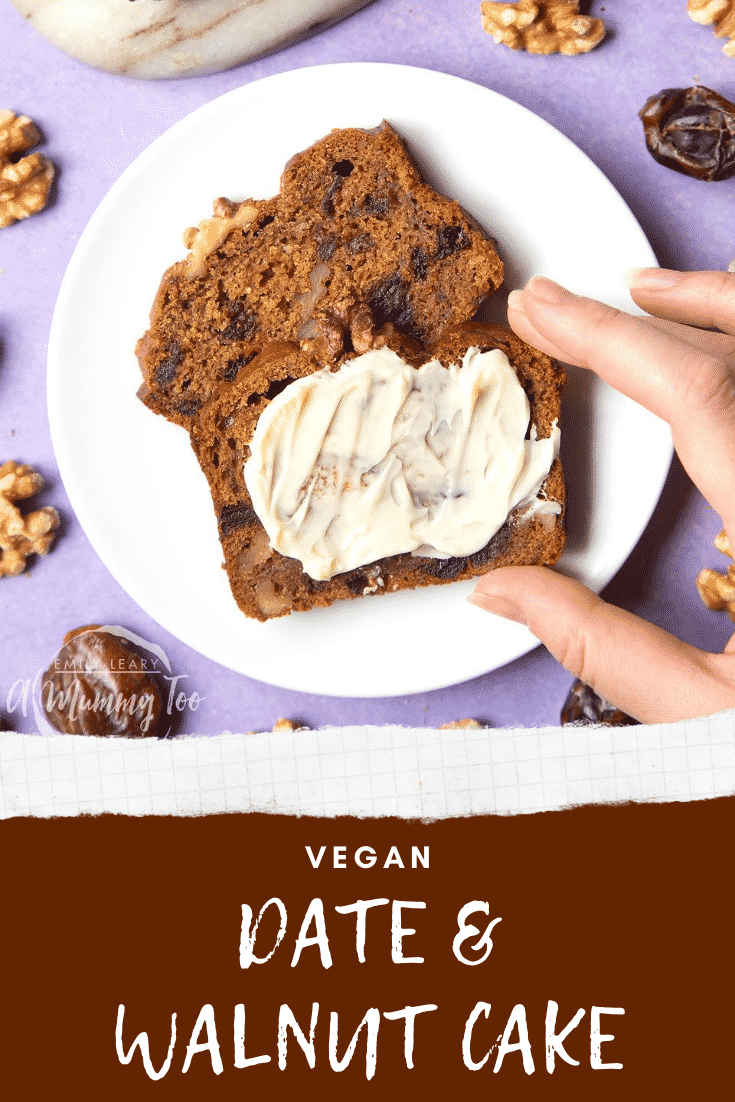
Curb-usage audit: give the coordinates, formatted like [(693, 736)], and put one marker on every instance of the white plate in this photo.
[(132, 477)]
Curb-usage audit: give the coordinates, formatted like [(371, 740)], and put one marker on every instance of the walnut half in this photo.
[(24, 182), (720, 15), (543, 27), (718, 590), (21, 536)]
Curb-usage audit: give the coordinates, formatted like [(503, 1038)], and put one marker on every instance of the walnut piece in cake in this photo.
[(24, 182), (720, 15), (21, 536), (546, 27)]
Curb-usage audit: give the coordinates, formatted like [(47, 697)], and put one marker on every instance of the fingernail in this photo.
[(515, 301), (501, 606), (652, 279), (548, 291)]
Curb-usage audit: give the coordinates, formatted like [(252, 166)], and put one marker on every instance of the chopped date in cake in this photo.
[(242, 324), (376, 205), (497, 546), (362, 582), (445, 568), (189, 408), (169, 365), (420, 263), (389, 302), (236, 516), (450, 240), (356, 583), (230, 371)]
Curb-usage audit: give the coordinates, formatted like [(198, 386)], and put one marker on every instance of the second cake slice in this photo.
[(354, 239)]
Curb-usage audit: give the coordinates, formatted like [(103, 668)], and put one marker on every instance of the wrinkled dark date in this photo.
[(691, 130), (585, 708), (100, 684)]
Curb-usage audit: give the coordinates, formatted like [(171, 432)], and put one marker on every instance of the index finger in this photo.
[(690, 387), (646, 362), (705, 299)]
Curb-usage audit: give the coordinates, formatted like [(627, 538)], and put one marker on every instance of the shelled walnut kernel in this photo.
[(24, 182), (21, 536), (720, 15), (718, 590), (543, 27), (283, 725)]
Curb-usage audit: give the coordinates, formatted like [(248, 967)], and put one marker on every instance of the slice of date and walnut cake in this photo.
[(357, 435)]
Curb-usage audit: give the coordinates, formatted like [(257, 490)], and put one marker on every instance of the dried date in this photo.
[(390, 301), (691, 130), (100, 684), (584, 707)]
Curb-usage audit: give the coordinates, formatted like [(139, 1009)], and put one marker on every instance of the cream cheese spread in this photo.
[(381, 458)]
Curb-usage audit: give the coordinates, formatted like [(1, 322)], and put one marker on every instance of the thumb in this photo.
[(638, 667)]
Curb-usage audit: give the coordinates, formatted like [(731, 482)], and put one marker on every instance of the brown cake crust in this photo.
[(266, 584), (355, 239)]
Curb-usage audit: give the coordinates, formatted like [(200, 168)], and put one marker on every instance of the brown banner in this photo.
[(484, 939)]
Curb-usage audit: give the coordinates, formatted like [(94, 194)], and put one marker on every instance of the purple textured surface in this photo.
[(95, 124)]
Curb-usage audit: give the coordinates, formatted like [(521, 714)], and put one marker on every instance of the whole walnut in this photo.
[(720, 15), (542, 26), (25, 182), (22, 534)]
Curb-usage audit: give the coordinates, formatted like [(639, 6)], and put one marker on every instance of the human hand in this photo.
[(685, 375)]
